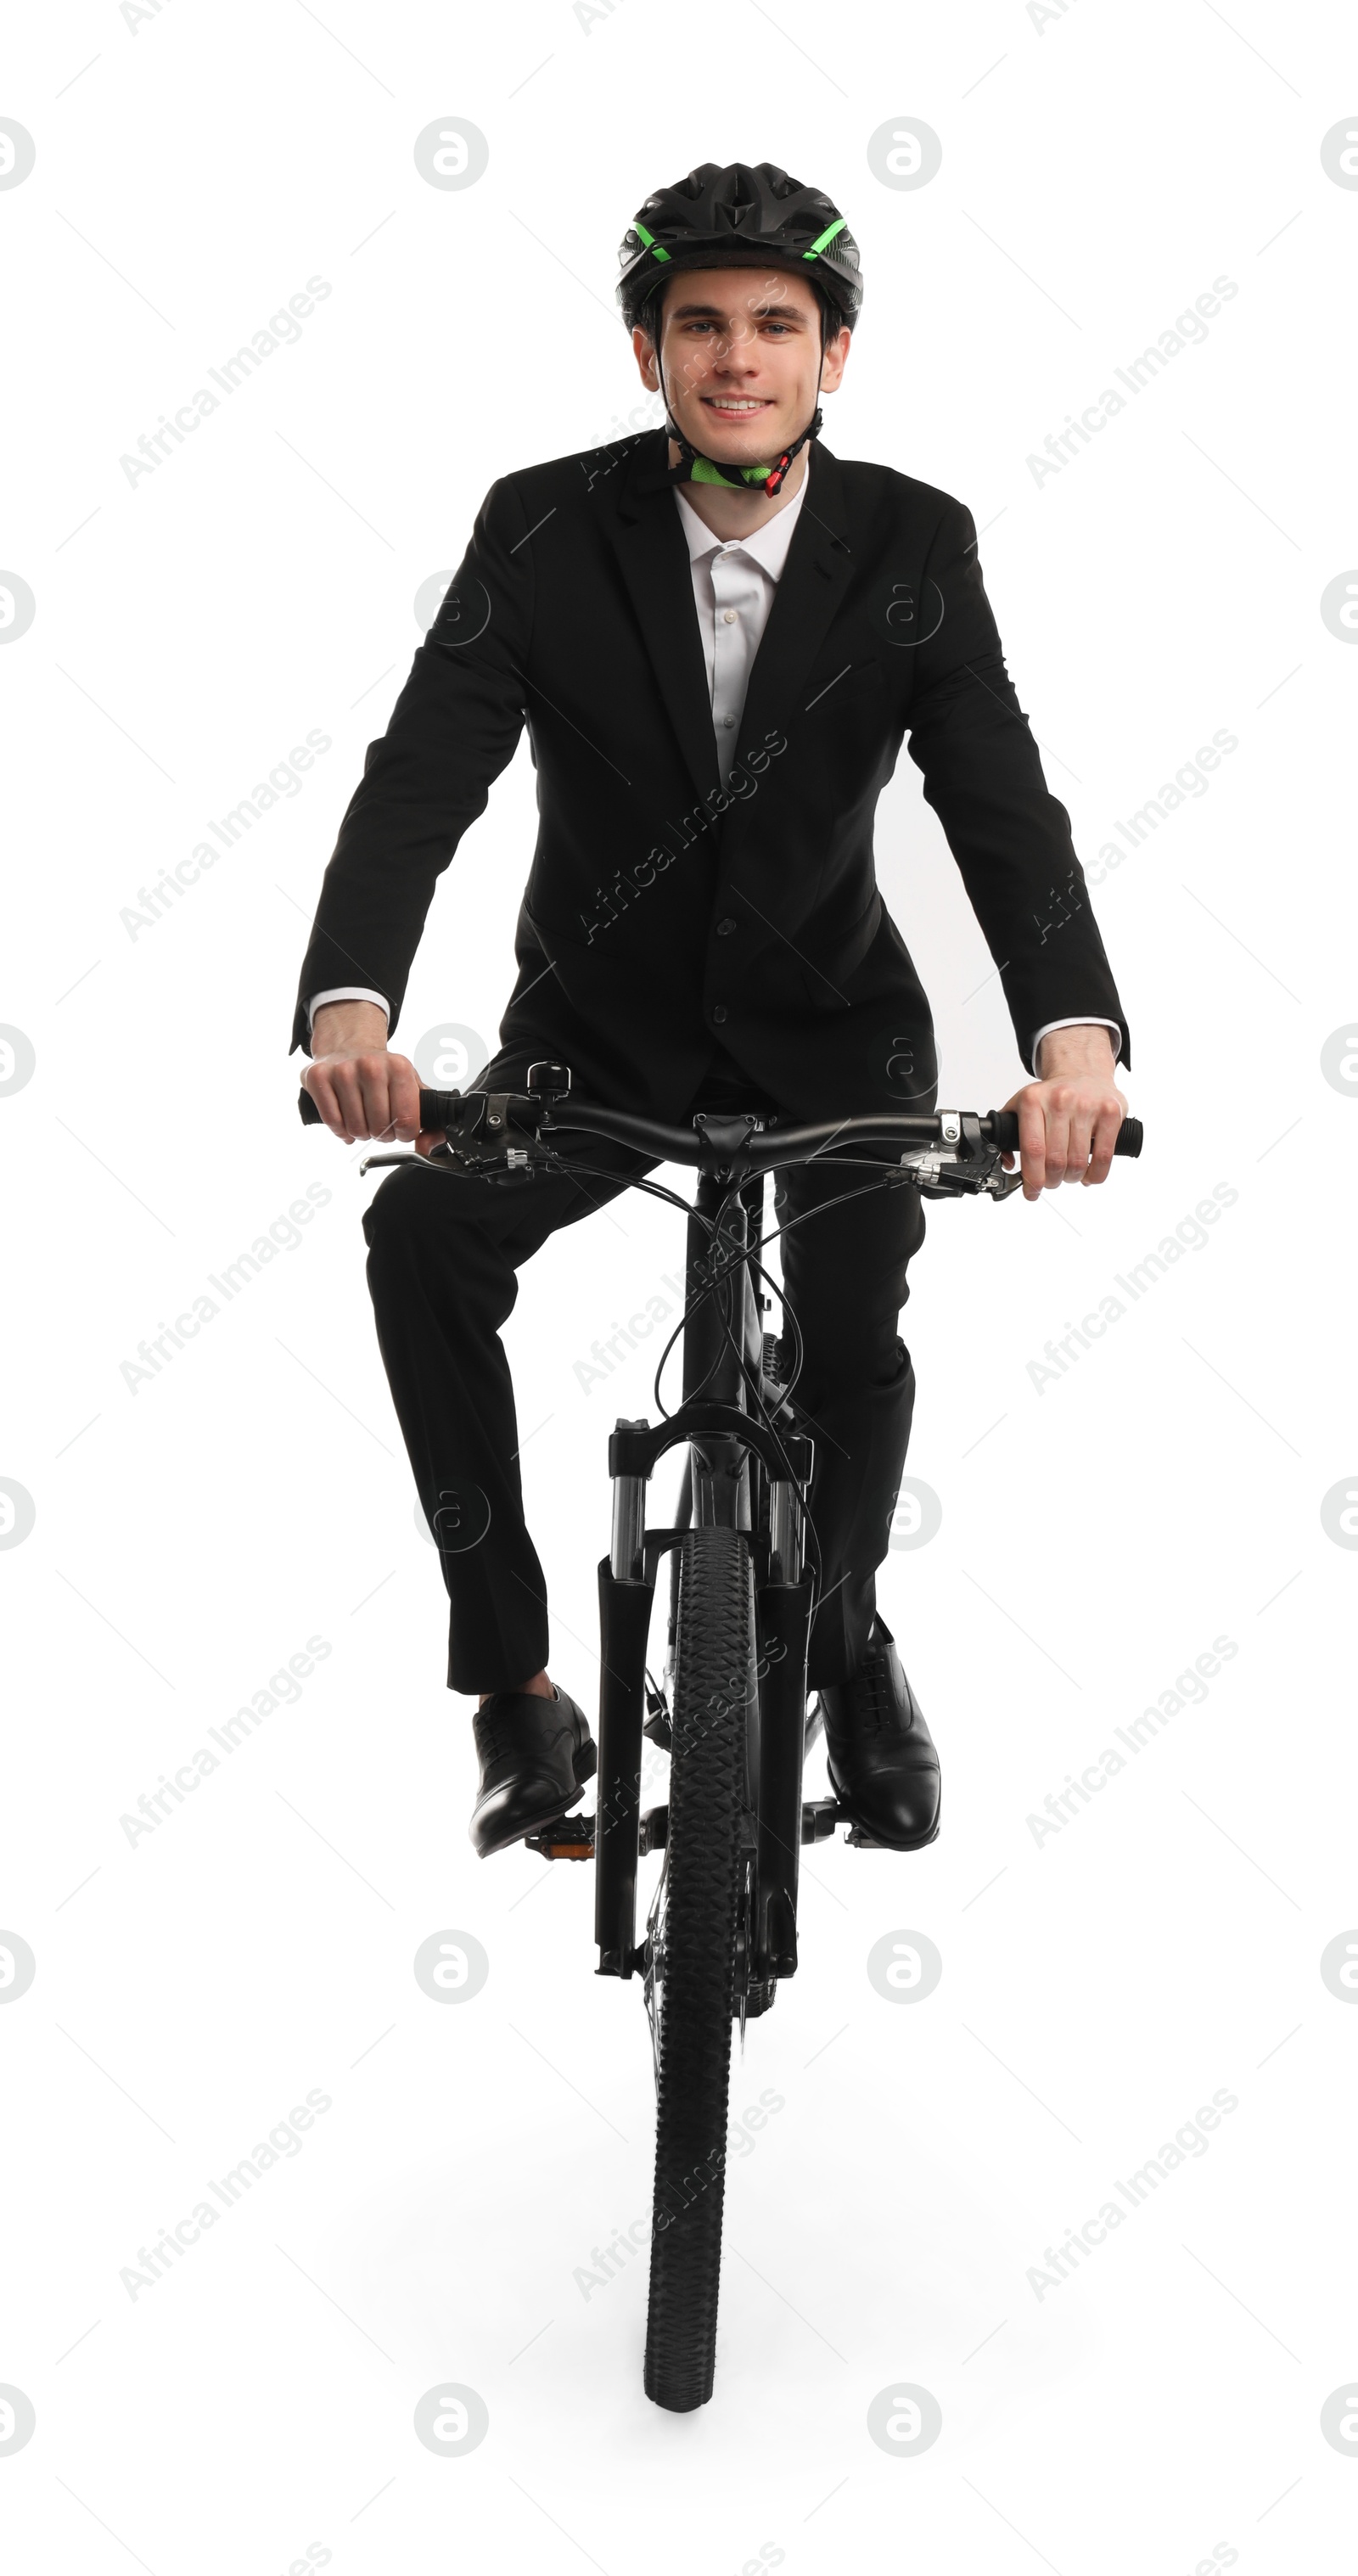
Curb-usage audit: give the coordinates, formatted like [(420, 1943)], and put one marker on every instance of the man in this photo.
[(717, 636)]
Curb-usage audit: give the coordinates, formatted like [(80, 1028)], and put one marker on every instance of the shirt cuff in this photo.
[(1081, 1020), (345, 993)]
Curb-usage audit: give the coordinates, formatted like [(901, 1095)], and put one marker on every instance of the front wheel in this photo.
[(691, 1960)]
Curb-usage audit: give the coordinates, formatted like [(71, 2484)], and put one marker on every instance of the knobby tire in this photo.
[(713, 1665)]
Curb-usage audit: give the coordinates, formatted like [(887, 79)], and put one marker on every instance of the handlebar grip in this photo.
[(436, 1108), (1004, 1127)]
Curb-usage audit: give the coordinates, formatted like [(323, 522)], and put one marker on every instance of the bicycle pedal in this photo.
[(864, 1842), (565, 1838), (819, 1819)]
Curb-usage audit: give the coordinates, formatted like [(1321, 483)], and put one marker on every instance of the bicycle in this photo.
[(722, 1927)]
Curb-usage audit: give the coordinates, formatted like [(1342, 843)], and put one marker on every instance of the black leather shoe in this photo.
[(881, 1758), (535, 1756)]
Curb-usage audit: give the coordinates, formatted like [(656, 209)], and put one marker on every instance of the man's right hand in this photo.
[(360, 1088)]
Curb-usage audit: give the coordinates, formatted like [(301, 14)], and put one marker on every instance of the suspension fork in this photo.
[(783, 1628), (720, 1486), (624, 1620), (718, 1479)]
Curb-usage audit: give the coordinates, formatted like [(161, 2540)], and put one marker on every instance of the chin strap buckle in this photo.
[(736, 478)]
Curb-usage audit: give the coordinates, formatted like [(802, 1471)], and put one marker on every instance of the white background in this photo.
[(1098, 172)]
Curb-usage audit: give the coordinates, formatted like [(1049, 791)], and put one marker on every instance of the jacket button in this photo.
[(719, 1011), (724, 928)]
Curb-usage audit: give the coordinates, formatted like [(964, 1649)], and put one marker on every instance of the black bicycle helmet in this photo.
[(743, 216)]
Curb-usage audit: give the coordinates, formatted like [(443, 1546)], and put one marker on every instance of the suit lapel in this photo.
[(814, 580), (771, 878), (648, 541), (652, 554)]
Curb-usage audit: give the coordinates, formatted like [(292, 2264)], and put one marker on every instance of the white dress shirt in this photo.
[(734, 582)]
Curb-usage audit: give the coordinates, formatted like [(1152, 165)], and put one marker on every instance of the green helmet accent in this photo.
[(827, 236)]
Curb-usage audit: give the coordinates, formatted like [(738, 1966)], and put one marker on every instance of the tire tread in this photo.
[(712, 1663)]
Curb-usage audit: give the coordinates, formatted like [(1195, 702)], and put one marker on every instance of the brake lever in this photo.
[(478, 1139), (941, 1173)]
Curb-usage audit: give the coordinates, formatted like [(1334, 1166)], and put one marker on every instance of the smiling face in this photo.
[(741, 350)]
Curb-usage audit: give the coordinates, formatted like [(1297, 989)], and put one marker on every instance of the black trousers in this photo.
[(444, 1251)]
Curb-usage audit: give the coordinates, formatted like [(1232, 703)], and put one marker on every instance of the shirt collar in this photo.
[(767, 545)]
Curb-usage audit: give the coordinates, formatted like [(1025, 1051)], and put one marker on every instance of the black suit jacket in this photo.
[(665, 920)]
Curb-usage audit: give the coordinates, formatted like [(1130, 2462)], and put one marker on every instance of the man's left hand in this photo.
[(1070, 1116)]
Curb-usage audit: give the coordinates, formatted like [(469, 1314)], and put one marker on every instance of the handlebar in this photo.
[(997, 1131), (498, 1121)]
